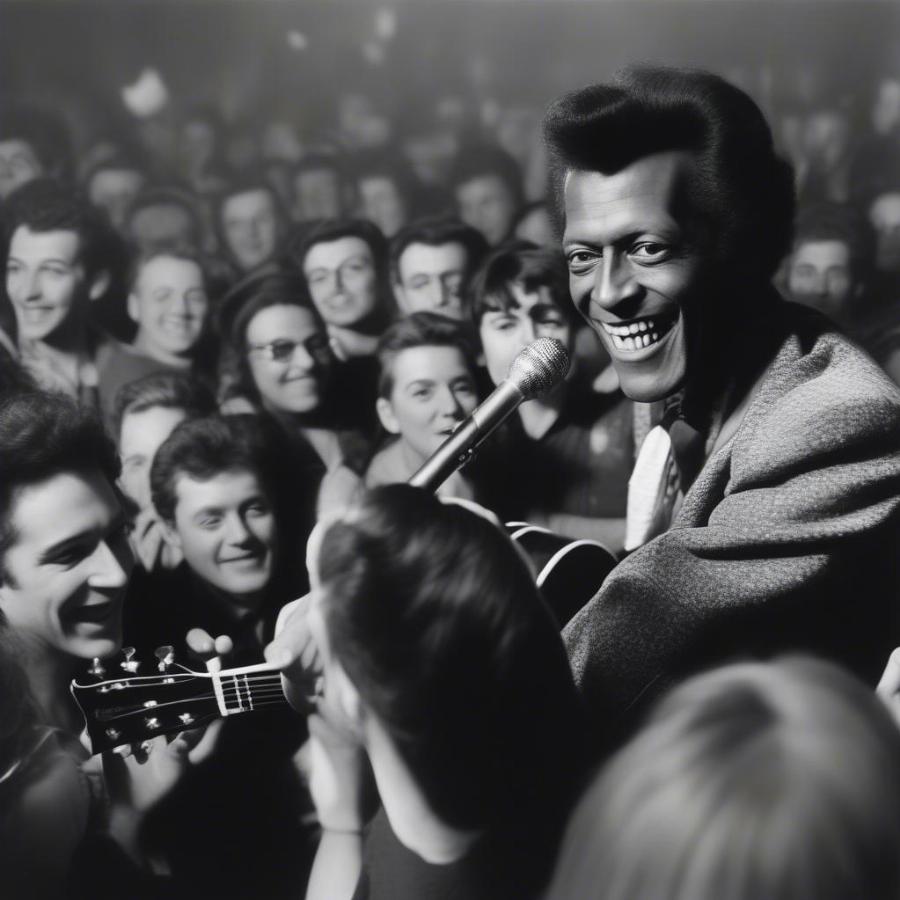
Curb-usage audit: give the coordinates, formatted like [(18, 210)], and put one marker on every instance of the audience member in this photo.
[(145, 414), (320, 191), (113, 183), (165, 219), (384, 193), (564, 457), (487, 186), (344, 264), (756, 780), (426, 387), (250, 224), (431, 261), (57, 251), (472, 794), (33, 143)]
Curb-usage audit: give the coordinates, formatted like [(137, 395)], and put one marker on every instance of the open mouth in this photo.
[(93, 614), (640, 333)]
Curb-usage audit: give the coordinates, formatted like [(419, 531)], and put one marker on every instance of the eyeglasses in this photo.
[(282, 350)]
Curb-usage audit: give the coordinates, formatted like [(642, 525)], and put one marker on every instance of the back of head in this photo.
[(41, 435), (777, 780), (741, 193), (436, 619)]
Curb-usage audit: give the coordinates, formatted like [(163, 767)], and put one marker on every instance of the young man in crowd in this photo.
[(32, 144), (487, 187), (773, 478), (250, 223), (384, 191), (113, 183), (563, 458), (165, 218), (427, 386), (431, 262), (57, 264), (169, 301), (146, 412), (319, 189)]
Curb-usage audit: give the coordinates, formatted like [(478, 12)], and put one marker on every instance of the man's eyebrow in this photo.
[(49, 554), (419, 382), (207, 511)]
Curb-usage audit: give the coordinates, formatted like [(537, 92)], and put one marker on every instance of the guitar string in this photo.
[(263, 695)]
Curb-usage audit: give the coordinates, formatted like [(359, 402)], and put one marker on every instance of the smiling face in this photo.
[(226, 530), (67, 569), (433, 391), (250, 225), (504, 333), (820, 275), (45, 281), (431, 278), (632, 274), (296, 382), (342, 281), (169, 304)]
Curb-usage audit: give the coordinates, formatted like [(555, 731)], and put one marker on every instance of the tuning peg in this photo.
[(129, 664), (166, 656), (97, 669)]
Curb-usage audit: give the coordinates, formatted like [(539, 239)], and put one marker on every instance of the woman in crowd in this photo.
[(287, 371), (776, 780), (474, 732)]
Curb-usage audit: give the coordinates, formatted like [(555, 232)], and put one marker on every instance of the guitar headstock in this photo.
[(130, 709)]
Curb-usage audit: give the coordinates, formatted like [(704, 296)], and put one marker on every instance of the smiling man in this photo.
[(773, 479)]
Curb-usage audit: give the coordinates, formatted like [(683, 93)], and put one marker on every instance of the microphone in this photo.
[(539, 368)]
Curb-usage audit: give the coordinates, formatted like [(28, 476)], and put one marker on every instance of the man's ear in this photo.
[(99, 285), (132, 305), (386, 415), (170, 534)]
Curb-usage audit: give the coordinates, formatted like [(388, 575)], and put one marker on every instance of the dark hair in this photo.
[(47, 205), (169, 195), (519, 262), (382, 163), (43, 131), (212, 269), (118, 161), (335, 229), (436, 619), (204, 448), (481, 160), (836, 222), (248, 183), (777, 780), (420, 329), (41, 435), (741, 193), (241, 304), (434, 232), (315, 161), (168, 390)]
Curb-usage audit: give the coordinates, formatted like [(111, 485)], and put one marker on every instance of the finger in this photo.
[(207, 742), (890, 678)]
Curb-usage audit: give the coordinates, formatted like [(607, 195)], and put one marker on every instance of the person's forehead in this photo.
[(161, 215), (12, 147), (224, 490), (247, 203), (61, 506), (334, 252), (144, 431), (312, 178), (168, 270), (59, 244), (885, 211), (483, 184), (428, 362), (822, 253), (115, 179), (428, 258), (281, 321), (640, 197)]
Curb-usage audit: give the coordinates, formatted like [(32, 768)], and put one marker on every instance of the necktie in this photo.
[(652, 489)]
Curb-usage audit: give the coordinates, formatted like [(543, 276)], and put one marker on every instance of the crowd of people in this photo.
[(219, 366)]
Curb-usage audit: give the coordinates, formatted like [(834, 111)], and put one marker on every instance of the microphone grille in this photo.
[(541, 366)]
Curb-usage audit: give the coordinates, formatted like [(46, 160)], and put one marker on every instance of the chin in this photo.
[(650, 387)]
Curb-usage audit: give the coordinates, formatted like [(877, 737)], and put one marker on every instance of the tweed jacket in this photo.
[(786, 541)]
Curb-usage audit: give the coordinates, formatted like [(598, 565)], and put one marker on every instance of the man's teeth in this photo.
[(636, 335)]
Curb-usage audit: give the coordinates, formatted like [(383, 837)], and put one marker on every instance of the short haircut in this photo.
[(519, 262), (325, 232), (755, 780), (420, 329), (209, 268), (481, 160), (436, 619), (741, 193), (118, 161), (47, 205), (435, 232), (382, 163), (248, 297), (168, 195), (41, 435), (248, 183), (316, 161), (201, 449), (168, 390), (43, 131), (836, 222)]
